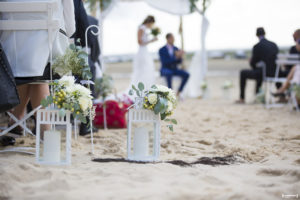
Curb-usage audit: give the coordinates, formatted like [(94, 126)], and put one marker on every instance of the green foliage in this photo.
[(104, 4), (205, 5), (139, 91), (155, 31), (296, 89), (104, 86), (73, 61), (68, 101)]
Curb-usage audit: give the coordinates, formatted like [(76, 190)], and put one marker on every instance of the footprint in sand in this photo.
[(267, 130), (205, 142), (297, 137), (297, 161)]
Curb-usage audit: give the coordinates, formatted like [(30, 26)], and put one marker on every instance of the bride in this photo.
[(143, 64)]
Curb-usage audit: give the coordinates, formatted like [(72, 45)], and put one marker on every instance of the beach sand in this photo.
[(266, 143)]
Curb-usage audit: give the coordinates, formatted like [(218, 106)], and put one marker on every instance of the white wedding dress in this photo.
[(143, 64)]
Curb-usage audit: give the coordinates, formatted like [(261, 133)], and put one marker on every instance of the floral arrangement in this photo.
[(73, 62), (205, 5), (260, 97), (155, 31), (203, 85), (159, 99), (227, 85), (67, 95)]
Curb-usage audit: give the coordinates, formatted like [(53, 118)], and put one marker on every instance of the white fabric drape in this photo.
[(198, 66), (175, 7)]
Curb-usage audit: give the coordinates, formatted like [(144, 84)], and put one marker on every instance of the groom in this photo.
[(170, 57)]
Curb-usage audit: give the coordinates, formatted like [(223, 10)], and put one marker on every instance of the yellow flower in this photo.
[(59, 106), (77, 112)]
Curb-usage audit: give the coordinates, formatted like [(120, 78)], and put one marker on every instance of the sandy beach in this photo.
[(265, 142)]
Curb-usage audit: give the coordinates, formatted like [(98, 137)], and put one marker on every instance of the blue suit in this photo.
[(169, 67)]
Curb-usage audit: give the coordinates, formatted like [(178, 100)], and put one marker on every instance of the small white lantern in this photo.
[(143, 134), (55, 148)]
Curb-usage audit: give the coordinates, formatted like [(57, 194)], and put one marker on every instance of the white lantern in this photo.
[(143, 136), (55, 147)]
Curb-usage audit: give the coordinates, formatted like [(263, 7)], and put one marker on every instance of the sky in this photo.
[(232, 25)]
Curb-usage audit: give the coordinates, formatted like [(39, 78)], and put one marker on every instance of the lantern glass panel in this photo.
[(53, 139), (142, 139)]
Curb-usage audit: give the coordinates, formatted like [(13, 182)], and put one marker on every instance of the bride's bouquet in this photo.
[(159, 99), (155, 31)]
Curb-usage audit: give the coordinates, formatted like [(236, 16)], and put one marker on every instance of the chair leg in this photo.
[(23, 125), (20, 122)]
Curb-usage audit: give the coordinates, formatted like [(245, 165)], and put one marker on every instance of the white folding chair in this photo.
[(49, 25), (270, 82)]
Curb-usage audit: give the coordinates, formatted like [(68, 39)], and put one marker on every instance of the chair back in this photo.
[(49, 24)]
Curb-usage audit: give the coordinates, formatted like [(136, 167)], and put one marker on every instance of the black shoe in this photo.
[(84, 130), (17, 131), (278, 94), (7, 140)]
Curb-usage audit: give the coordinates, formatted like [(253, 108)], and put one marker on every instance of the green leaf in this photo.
[(82, 118), (44, 103), (62, 112), (167, 120), (174, 121), (157, 108), (73, 47), (164, 105), (171, 127), (76, 106), (130, 92), (153, 87), (141, 86), (133, 87), (49, 99), (163, 116)]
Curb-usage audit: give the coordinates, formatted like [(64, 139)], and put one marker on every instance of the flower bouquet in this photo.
[(204, 89), (67, 95), (160, 99), (155, 31), (226, 89), (73, 62)]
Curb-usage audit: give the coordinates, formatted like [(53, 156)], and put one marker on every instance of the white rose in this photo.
[(152, 98), (83, 91), (84, 103), (67, 81), (170, 106)]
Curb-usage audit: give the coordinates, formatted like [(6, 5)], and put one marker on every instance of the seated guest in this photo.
[(292, 78), (293, 50), (28, 54), (170, 57), (264, 51)]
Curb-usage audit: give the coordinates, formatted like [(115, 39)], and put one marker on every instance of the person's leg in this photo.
[(286, 84), (23, 91), (184, 78), (249, 74), (168, 74), (243, 78), (37, 92)]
